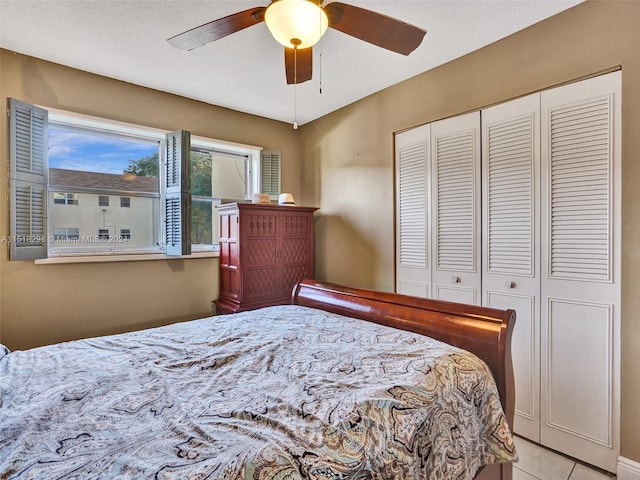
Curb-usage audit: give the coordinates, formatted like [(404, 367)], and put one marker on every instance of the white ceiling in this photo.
[(126, 40)]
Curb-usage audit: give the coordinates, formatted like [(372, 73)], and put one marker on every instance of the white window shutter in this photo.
[(177, 193), (270, 173), (28, 180)]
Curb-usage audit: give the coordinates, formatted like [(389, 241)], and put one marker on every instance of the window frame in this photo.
[(70, 198), (92, 244), (67, 237), (106, 126), (252, 164)]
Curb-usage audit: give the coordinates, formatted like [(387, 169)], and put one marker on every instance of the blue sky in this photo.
[(75, 150)]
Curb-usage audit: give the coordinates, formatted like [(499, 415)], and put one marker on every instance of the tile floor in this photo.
[(538, 463)]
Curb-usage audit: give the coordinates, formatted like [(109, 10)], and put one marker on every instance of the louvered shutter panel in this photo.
[(412, 205), (270, 173), (177, 193), (28, 180), (510, 195), (455, 201), (580, 190)]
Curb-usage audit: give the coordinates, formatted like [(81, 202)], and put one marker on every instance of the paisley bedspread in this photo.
[(280, 393)]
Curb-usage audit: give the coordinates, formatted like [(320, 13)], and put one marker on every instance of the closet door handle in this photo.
[(456, 279), (510, 284)]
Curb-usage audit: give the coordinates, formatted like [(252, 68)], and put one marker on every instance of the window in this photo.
[(65, 198), (216, 177), (100, 163), (66, 234), (61, 156)]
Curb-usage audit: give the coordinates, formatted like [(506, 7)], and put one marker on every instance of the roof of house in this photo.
[(102, 182)]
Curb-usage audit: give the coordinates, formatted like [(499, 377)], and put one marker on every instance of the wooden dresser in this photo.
[(265, 249)]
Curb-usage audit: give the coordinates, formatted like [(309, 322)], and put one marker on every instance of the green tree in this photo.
[(201, 211), (201, 174), (144, 167), (201, 226)]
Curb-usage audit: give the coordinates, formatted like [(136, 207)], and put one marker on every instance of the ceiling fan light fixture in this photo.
[(296, 23)]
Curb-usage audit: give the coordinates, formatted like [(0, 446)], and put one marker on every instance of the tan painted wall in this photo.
[(42, 304), (348, 155)]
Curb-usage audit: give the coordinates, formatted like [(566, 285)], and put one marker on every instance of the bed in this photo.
[(301, 391)]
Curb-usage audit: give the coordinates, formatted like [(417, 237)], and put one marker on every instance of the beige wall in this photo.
[(42, 304), (348, 155)]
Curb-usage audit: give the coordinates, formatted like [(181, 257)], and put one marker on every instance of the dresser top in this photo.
[(266, 206)]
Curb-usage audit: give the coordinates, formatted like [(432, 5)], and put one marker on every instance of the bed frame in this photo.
[(486, 332)]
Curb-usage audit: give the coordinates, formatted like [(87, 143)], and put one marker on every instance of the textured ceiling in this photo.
[(126, 40)]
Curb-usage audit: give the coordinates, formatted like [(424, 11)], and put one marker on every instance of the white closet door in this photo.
[(455, 173), (413, 222), (511, 227), (580, 325)]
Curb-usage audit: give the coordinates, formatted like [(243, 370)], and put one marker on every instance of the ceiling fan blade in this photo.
[(217, 29), (301, 58), (376, 28)]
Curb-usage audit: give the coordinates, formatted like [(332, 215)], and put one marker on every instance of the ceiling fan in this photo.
[(299, 24)]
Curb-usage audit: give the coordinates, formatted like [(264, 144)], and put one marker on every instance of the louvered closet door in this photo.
[(511, 227), (581, 269), (455, 174), (413, 232)]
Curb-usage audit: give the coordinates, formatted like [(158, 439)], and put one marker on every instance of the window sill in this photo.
[(122, 258)]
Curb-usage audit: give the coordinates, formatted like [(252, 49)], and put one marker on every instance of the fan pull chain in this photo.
[(295, 87), (320, 72), (320, 45)]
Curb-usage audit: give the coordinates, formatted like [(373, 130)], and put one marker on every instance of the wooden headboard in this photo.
[(486, 332)]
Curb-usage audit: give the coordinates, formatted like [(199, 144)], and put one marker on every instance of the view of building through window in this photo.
[(101, 184), (104, 191)]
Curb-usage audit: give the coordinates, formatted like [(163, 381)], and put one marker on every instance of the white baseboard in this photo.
[(628, 469)]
